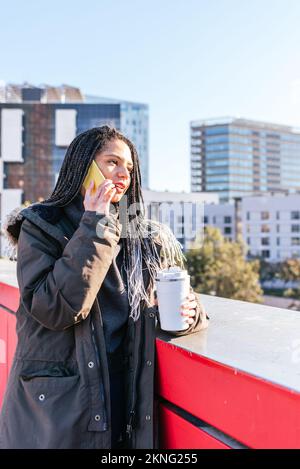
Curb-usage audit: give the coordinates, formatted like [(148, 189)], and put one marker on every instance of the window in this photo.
[(248, 240), (227, 230), (205, 219), (295, 215), (295, 241), (265, 241), (278, 241), (214, 219), (277, 215), (227, 219), (248, 215), (278, 228), (295, 228), (265, 253), (265, 228), (65, 126), (264, 215), (216, 130), (11, 133)]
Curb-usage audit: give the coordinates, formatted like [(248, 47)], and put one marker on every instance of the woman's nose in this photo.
[(124, 172)]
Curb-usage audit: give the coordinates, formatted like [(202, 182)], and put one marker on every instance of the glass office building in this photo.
[(38, 123), (236, 157)]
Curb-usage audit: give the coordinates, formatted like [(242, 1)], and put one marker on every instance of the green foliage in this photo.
[(219, 268), (290, 271)]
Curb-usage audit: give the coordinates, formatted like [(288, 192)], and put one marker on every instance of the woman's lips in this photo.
[(119, 188)]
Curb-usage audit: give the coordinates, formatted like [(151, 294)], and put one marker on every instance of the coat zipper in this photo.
[(131, 422)]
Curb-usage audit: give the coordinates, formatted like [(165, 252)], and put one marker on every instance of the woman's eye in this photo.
[(114, 161)]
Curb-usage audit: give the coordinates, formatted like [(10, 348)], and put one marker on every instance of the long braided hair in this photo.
[(140, 245)]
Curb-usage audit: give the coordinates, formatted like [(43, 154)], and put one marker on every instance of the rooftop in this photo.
[(230, 120)]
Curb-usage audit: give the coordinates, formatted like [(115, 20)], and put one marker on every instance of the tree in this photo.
[(219, 267), (290, 272)]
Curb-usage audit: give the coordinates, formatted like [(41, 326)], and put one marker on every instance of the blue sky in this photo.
[(187, 59)]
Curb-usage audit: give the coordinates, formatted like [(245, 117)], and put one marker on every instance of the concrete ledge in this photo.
[(257, 339)]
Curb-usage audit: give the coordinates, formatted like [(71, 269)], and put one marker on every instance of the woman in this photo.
[(82, 375)]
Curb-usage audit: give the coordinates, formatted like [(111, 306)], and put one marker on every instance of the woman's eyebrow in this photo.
[(119, 158)]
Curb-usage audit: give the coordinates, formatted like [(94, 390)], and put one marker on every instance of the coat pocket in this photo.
[(36, 383), (52, 411)]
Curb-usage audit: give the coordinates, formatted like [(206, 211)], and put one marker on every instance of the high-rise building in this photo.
[(38, 123), (238, 157)]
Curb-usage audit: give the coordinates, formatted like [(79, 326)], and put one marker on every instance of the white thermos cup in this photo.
[(172, 286)]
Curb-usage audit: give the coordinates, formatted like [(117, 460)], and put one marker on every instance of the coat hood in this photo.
[(13, 221)]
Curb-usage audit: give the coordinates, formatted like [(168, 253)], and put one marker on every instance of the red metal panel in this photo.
[(255, 412), (177, 433), (3, 353), (9, 296)]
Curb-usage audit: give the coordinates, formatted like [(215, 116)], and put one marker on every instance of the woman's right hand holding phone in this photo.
[(99, 200)]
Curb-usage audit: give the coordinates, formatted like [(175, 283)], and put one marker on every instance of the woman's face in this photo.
[(115, 163)]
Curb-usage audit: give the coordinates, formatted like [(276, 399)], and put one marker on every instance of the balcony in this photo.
[(233, 385)]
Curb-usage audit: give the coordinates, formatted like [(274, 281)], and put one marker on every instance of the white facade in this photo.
[(221, 216), (182, 212), (271, 226), (65, 126), (11, 135)]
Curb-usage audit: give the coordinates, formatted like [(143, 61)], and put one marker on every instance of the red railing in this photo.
[(202, 402), (9, 301), (206, 404)]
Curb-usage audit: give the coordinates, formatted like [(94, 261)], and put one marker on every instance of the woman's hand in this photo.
[(100, 200), (188, 308)]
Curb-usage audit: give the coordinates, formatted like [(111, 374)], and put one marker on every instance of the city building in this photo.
[(38, 123), (238, 157), (221, 216), (271, 226), (183, 212)]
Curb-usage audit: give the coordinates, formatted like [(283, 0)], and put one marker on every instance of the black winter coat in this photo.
[(58, 392)]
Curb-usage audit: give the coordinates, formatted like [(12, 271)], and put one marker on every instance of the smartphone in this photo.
[(93, 173)]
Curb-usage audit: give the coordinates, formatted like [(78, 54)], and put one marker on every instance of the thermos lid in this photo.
[(171, 274)]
